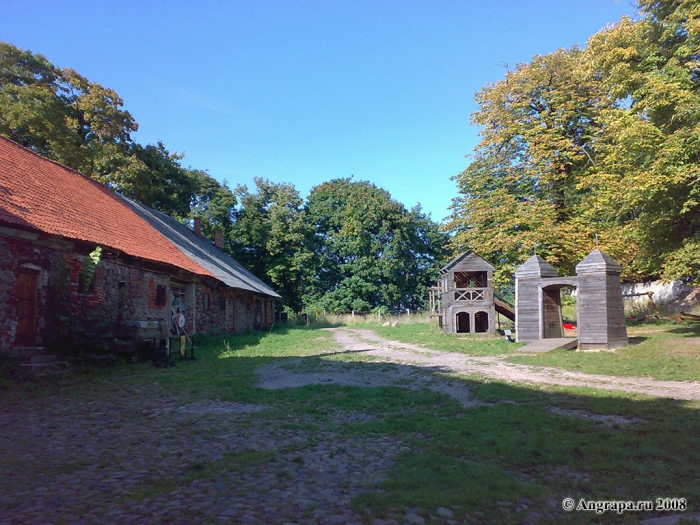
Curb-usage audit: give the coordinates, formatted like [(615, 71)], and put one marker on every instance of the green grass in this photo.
[(660, 350), (510, 449), (420, 334), (665, 351)]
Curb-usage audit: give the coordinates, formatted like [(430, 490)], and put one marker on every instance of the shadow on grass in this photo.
[(516, 444), (518, 450), (689, 330)]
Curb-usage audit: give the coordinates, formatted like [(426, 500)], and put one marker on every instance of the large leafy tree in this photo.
[(538, 140), (651, 160), (63, 116), (349, 247), (269, 236), (161, 182), (60, 114), (596, 141), (368, 250), (215, 203)]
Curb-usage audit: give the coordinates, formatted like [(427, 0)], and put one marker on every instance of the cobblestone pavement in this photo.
[(144, 456), (133, 457)]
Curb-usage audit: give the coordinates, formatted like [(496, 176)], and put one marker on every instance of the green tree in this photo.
[(601, 141), (368, 250), (652, 136), (60, 114), (522, 187), (161, 182), (215, 203), (269, 237)]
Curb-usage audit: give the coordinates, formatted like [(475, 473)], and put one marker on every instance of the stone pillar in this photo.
[(601, 314)]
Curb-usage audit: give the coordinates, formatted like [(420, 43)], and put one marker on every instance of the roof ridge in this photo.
[(52, 161), (50, 177)]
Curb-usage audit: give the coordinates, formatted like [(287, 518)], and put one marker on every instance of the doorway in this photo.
[(551, 320), (481, 322), (463, 325), (27, 302), (257, 319)]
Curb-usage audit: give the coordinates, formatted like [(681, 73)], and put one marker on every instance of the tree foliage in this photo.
[(269, 237), (61, 115), (600, 141), (368, 250), (350, 246)]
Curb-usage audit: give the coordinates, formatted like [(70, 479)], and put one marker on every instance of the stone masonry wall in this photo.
[(124, 290)]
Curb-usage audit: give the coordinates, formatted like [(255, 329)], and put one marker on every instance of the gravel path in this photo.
[(494, 367)]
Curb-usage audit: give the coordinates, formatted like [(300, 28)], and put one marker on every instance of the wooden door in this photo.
[(27, 299), (257, 319)]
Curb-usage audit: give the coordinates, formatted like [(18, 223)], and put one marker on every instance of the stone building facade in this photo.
[(150, 267)]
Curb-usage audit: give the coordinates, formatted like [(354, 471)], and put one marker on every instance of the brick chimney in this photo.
[(198, 226), (219, 239)]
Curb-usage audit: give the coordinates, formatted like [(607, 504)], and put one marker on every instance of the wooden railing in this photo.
[(471, 294)]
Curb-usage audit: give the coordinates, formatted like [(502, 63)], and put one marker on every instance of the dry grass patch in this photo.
[(684, 347)]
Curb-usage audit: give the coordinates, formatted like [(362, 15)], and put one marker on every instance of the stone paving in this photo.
[(143, 456), (140, 458)]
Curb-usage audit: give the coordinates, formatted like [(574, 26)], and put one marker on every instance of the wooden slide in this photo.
[(504, 308)]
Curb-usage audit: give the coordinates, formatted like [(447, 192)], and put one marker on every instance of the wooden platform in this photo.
[(546, 345)]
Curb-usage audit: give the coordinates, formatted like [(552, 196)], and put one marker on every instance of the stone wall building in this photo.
[(151, 267)]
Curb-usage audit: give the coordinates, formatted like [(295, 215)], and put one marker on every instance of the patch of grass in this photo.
[(660, 350), (480, 462), (665, 351), (420, 334), (510, 452)]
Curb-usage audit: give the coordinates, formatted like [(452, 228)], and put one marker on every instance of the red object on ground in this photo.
[(569, 326)]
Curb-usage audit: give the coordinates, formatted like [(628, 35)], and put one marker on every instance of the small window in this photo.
[(206, 300), (160, 295), (222, 304)]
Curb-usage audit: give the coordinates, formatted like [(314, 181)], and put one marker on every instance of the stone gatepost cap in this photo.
[(598, 262), (536, 266)]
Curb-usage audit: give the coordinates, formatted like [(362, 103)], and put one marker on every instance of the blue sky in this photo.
[(307, 91)]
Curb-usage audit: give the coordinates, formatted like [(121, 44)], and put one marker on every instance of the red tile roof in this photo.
[(43, 195)]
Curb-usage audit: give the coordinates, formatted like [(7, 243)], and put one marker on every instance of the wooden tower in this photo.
[(601, 314), (466, 295), (601, 317)]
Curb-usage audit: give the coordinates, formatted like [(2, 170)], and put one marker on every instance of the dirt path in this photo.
[(427, 361)]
